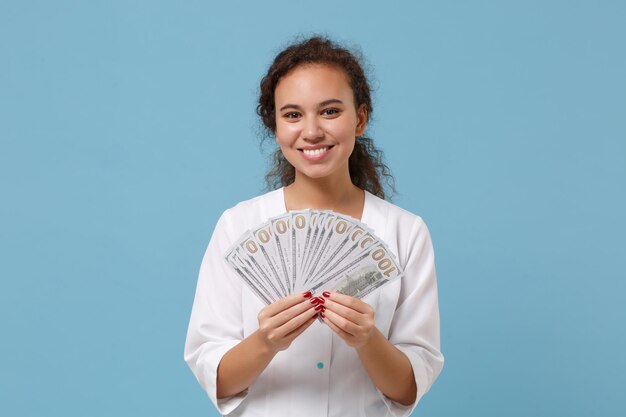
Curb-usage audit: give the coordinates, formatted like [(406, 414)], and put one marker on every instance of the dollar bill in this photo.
[(316, 226), (252, 253), (299, 229), (249, 278), (354, 243), (321, 243), (264, 239), (336, 239), (314, 250), (280, 230), (372, 268), (239, 261)]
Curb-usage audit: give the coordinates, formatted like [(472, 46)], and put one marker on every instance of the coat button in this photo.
[(320, 365)]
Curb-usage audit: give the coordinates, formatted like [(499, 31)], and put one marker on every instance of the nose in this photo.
[(312, 130)]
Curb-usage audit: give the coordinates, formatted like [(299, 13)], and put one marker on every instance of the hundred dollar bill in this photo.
[(254, 269), (311, 250), (316, 226), (264, 239), (336, 230), (299, 220), (280, 230), (354, 240), (361, 284), (363, 273), (252, 250), (352, 251), (249, 278), (314, 216), (237, 257), (321, 242)]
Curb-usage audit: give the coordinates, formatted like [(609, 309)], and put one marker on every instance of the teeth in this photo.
[(315, 152)]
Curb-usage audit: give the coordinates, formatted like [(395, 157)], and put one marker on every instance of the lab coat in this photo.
[(319, 374)]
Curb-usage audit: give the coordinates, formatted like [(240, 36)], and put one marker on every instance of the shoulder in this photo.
[(249, 213), (404, 232), (394, 215), (252, 203)]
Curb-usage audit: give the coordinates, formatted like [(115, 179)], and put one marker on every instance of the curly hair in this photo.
[(365, 164)]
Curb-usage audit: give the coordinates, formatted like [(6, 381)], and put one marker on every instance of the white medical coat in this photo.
[(318, 375)]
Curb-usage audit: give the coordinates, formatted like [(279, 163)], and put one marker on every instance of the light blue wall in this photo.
[(127, 127)]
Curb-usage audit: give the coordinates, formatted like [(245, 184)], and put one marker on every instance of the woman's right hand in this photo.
[(284, 320), (279, 324)]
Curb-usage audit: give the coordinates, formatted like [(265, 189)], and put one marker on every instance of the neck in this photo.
[(335, 193)]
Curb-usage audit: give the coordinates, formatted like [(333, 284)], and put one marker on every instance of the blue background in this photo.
[(127, 127)]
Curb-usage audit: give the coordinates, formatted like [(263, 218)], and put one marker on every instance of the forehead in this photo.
[(313, 83)]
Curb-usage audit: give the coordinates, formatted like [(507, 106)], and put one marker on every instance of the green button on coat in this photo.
[(320, 365)]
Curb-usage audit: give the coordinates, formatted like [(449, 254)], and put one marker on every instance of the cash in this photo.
[(312, 250)]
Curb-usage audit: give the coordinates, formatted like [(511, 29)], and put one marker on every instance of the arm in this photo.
[(279, 324), (389, 369), (414, 330), (222, 360)]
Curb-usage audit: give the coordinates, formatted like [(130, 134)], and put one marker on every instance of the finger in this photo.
[(351, 302), (342, 323), (284, 303), (344, 335), (291, 336), (295, 323), (346, 312), (287, 315)]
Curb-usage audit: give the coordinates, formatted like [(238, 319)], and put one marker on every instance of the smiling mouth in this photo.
[(316, 152)]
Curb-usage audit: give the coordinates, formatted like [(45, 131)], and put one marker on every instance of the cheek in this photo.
[(346, 132), (286, 134)]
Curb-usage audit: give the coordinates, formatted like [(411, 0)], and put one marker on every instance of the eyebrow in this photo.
[(322, 104)]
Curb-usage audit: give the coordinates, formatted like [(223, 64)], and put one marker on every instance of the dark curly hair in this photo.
[(365, 164)]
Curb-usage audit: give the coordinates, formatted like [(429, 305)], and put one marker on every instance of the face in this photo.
[(316, 120)]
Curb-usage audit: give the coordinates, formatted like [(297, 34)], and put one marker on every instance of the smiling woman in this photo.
[(366, 166), (374, 356), (317, 122)]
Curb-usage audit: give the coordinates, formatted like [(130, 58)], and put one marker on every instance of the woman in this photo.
[(371, 357)]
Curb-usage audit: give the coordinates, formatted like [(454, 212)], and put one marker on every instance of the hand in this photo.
[(284, 320), (349, 317)]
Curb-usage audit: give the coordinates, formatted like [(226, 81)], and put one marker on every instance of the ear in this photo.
[(361, 117)]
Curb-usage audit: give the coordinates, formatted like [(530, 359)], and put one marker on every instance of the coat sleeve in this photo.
[(415, 327), (216, 324)]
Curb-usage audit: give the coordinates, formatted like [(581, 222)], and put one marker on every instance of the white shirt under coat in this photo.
[(319, 374)]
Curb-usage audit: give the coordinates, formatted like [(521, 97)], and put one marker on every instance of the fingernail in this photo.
[(320, 307), (322, 300), (323, 315), (314, 300), (306, 294), (326, 294)]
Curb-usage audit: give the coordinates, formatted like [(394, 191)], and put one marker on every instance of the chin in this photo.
[(317, 175)]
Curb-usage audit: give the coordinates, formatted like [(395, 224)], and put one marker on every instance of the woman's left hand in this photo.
[(349, 317)]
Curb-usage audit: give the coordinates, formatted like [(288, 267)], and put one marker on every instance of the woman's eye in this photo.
[(292, 115), (330, 112)]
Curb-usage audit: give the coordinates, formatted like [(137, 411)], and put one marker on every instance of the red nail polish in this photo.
[(320, 307), (314, 300), (326, 294), (323, 315), (322, 300), (306, 294)]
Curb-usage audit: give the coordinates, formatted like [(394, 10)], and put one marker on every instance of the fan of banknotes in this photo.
[(312, 250)]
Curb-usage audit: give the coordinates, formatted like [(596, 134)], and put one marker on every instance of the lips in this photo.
[(315, 151)]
